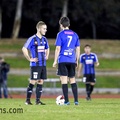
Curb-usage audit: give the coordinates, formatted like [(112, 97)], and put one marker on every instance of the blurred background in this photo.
[(89, 18), (97, 22)]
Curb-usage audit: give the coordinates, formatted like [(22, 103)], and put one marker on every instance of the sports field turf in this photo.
[(97, 109)]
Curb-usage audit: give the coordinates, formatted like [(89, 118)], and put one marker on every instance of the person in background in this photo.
[(4, 69), (88, 61)]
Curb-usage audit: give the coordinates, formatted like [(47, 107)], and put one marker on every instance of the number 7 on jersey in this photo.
[(70, 39)]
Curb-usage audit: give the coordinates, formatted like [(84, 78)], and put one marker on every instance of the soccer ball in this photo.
[(60, 100)]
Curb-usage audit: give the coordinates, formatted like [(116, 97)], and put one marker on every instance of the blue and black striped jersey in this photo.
[(88, 63), (37, 47)]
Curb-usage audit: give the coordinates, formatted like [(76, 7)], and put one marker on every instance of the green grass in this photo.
[(98, 46), (105, 63), (18, 80), (102, 82), (97, 109)]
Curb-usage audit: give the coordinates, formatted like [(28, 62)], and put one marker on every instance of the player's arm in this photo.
[(79, 70), (27, 56), (47, 51), (57, 51), (96, 61), (77, 54)]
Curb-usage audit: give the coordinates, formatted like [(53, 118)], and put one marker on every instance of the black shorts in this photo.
[(38, 72), (66, 69), (88, 78)]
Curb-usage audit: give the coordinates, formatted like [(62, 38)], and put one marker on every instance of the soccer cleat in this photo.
[(40, 103), (67, 103), (28, 103), (76, 103), (88, 98)]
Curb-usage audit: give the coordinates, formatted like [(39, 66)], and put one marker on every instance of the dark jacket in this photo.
[(4, 69)]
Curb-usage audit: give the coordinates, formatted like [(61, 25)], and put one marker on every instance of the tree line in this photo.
[(97, 19)]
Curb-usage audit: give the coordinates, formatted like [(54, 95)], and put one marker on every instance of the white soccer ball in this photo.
[(60, 100)]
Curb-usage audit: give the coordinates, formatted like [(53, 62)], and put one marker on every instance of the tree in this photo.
[(17, 21), (65, 8)]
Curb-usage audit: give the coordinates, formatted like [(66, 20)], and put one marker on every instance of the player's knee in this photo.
[(92, 83), (40, 81), (72, 80), (33, 82)]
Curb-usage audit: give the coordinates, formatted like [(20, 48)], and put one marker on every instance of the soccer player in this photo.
[(88, 61), (66, 55), (38, 47)]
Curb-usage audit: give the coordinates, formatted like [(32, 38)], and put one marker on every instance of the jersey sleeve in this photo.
[(58, 40), (78, 41), (46, 44), (95, 58), (28, 43)]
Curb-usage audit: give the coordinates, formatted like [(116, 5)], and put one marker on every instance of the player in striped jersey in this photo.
[(38, 47), (88, 61)]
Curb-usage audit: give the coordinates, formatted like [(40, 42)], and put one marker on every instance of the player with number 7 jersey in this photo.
[(68, 40), (66, 55)]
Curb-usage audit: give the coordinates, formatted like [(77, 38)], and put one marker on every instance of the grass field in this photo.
[(97, 109), (102, 82)]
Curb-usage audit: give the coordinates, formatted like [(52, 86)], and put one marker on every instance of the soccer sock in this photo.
[(88, 90), (91, 88), (75, 92), (29, 91), (38, 92), (65, 92)]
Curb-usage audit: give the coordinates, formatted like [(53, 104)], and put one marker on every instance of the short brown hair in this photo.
[(40, 23), (87, 45), (64, 21)]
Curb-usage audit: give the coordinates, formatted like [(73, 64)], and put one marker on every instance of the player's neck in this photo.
[(66, 28), (39, 35), (88, 53)]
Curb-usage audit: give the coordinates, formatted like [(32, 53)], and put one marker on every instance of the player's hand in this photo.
[(76, 64), (33, 59), (54, 64), (78, 74), (46, 57)]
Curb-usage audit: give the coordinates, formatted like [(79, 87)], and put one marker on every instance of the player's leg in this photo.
[(86, 80), (5, 90), (29, 92), (0, 90), (42, 74), (65, 88), (74, 90), (91, 87), (71, 75), (32, 82), (88, 91), (92, 83), (63, 73)]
